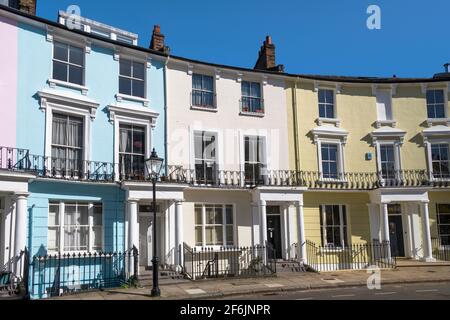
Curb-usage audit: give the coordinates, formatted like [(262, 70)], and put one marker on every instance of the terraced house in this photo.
[(262, 169)]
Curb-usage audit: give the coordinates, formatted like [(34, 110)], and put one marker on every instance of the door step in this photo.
[(290, 266)]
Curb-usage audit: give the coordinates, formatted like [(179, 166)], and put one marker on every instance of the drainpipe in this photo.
[(294, 109), (166, 165)]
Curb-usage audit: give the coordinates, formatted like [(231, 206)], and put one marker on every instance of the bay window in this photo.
[(214, 225), (75, 226)]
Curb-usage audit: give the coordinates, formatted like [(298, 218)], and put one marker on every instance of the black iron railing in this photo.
[(441, 251), (54, 275), (228, 262), (20, 160), (252, 105), (351, 257), (203, 99)]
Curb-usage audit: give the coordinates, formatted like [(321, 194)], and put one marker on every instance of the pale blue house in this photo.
[(90, 108)]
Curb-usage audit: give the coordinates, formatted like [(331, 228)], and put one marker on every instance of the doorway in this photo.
[(274, 231), (145, 241), (396, 230)]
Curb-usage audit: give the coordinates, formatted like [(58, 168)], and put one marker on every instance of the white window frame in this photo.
[(224, 225), (340, 156), (323, 227), (219, 146), (76, 42), (439, 224), (90, 204), (334, 104), (397, 155), (428, 144), (127, 120)]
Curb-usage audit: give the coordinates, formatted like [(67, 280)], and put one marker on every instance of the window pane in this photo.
[(218, 215), (76, 56), (198, 236), (229, 214), (83, 215), (208, 83), (321, 96), (439, 96), (53, 239), (245, 88), (138, 70), (430, 97), (53, 215), (98, 216), (70, 214), (139, 140), (125, 86), (60, 51), (138, 89), (59, 71), (256, 90), (197, 81), (198, 214), (125, 67), (97, 235), (444, 208), (439, 111), (209, 215), (76, 75), (444, 218), (229, 235)]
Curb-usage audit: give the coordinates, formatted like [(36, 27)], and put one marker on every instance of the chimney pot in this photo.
[(266, 57), (446, 67), (268, 40)]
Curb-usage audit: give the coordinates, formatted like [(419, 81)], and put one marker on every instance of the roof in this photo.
[(331, 78)]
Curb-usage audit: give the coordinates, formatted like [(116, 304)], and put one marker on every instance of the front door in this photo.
[(274, 231), (396, 236), (145, 241)]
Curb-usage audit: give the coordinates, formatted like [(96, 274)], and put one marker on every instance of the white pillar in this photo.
[(20, 237), (284, 232), (133, 225), (426, 235), (255, 224), (375, 225), (384, 222), (179, 231), (301, 231), (263, 221)]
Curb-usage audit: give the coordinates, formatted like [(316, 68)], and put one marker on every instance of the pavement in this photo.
[(282, 282)]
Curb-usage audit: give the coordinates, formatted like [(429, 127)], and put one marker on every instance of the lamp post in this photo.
[(154, 165)]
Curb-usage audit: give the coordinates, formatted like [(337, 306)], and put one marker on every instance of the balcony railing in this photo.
[(20, 160), (203, 99)]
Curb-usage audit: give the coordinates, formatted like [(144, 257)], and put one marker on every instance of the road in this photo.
[(421, 291)]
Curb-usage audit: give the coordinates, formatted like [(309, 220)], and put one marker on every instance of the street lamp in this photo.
[(154, 165)]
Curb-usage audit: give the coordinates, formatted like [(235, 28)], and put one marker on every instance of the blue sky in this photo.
[(311, 37)]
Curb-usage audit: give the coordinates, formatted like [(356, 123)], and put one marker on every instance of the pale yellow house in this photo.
[(374, 154)]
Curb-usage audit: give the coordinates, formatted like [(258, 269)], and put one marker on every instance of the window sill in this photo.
[(388, 123), (201, 108), (53, 83), (252, 114), (336, 122), (120, 97), (438, 121)]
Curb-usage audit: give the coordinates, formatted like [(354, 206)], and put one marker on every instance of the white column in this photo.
[(384, 222), (301, 231), (284, 232), (255, 224), (291, 230), (133, 225), (179, 231), (263, 221), (374, 218), (21, 223), (426, 235)]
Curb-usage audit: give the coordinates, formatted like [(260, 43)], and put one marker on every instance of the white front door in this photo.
[(145, 241)]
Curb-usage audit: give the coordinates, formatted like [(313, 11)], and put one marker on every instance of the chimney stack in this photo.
[(266, 57), (446, 67), (28, 6), (157, 42)]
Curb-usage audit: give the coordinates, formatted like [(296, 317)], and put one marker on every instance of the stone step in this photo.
[(290, 266)]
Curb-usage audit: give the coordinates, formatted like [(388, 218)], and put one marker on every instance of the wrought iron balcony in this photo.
[(21, 160)]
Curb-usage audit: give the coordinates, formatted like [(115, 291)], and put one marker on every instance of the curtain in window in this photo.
[(59, 129), (197, 82), (125, 140), (75, 133)]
